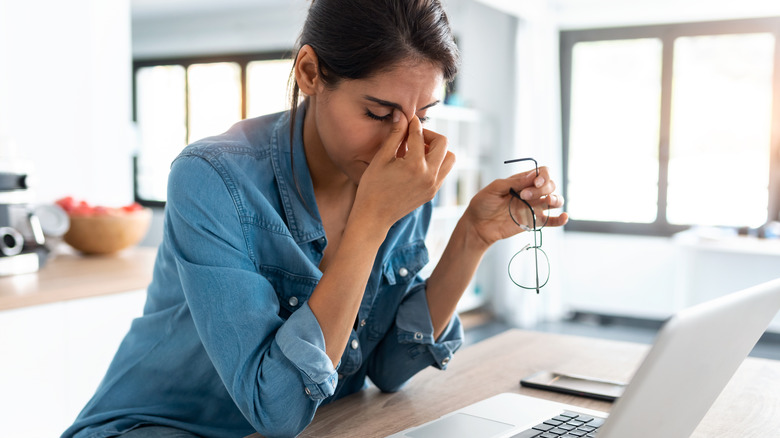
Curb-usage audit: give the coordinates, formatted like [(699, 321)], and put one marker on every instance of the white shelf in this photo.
[(461, 127)]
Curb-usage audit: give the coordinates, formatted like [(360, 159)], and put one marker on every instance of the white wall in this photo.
[(581, 14), (65, 95), (263, 28)]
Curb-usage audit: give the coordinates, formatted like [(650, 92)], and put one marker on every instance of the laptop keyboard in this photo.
[(566, 425)]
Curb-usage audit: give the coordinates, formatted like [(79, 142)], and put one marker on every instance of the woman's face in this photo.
[(348, 124)]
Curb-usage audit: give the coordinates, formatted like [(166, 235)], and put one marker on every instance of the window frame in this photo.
[(242, 59), (667, 33)]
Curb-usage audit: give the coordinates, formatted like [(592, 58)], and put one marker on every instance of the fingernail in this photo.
[(539, 182), (525, 194), (396, 116)]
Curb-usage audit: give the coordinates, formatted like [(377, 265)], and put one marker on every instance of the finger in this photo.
[(390, 147), (416, 144), (557, 221), (401, 152), (537, 190), (520, 181), (446, 166), (530, 193), (548, 202), (555, 201), (437, 147)]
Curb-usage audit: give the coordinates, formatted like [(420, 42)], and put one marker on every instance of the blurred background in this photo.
[(658, 119)]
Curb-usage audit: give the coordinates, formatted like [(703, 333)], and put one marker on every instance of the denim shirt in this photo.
[(227, 344)]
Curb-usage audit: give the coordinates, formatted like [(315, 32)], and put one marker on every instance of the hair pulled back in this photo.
[(356, 39)]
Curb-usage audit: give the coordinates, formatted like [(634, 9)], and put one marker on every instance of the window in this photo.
[(669, 126), (180, 101)]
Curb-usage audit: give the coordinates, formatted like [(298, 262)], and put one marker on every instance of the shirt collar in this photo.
[(300, 206)]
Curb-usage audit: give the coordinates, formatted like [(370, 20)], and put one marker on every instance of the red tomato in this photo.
[(83, 208)]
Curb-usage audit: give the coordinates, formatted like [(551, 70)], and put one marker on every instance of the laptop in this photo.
[(693, 357)]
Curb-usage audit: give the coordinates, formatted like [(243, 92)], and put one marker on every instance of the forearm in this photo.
[(336, 299), (453, 274)]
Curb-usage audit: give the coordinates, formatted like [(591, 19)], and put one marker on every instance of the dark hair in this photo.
[(355, 39)]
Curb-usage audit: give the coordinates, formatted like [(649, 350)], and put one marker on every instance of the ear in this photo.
[(307, 71)]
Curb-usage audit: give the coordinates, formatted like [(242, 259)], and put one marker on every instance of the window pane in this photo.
[(215, 98), (613, 130), (720, 131), (161, 125), (266, 83)]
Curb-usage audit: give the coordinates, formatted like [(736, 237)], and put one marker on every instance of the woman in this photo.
[(287, 271)]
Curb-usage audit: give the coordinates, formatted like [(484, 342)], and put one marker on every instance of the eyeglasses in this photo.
[(529, 268)]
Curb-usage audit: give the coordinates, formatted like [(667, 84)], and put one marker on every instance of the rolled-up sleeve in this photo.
[(302, 342), (410, 346)]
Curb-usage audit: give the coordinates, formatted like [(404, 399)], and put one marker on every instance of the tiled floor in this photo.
[(479, 326)]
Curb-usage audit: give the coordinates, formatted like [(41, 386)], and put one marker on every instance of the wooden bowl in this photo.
[(107, 233)]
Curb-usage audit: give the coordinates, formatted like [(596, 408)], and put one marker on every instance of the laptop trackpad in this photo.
[(460, 426)]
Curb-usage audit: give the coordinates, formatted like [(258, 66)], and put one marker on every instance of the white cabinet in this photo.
[(654, 277), (710, 267), (54, 356)]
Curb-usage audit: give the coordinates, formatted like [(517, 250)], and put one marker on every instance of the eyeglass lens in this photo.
[(529, 267)]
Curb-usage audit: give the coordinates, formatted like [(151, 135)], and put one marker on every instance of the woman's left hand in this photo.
[(488, 211)]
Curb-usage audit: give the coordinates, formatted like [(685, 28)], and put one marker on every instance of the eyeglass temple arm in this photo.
[(517, 160)]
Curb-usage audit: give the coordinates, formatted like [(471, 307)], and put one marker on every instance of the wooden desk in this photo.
[(71, 275), (748, 407)]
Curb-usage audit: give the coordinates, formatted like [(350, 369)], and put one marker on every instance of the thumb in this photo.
[(396, 138)]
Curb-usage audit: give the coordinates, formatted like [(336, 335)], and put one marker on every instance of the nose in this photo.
[(408, 112), (411, 114)]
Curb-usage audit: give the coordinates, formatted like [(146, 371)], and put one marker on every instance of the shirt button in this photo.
[(293, 301), (403, 272), (354, 344), (418, 336), (362, 322), (445, 361), (322, 241), (306, 390)]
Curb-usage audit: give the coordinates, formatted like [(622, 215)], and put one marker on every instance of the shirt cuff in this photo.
[(301, 340), (416, 328)]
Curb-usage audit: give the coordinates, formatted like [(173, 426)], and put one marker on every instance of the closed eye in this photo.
[(373, 116), (387, 117)]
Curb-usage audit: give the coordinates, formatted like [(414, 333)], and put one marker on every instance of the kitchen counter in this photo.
[(70, 275)]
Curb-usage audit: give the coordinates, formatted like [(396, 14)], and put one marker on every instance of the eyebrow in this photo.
[(395, 105)]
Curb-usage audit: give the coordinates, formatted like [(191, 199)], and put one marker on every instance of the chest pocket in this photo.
[(404, 263), (399, 269), (293, 290)]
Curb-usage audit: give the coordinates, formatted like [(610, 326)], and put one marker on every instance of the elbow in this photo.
[(280, 426), (279, 430), (280, 417), (391, 389), (388, 385)]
